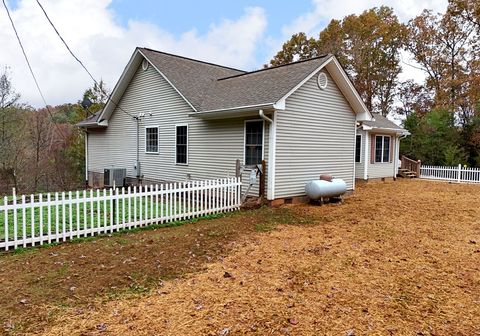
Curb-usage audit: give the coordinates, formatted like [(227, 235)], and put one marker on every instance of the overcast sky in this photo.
[(103, 33)]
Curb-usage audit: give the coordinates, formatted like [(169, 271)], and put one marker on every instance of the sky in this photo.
[(244, 34)]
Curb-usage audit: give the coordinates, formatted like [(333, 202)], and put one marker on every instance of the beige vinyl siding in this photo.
[(315, 135), (213, 145), (360, 166)]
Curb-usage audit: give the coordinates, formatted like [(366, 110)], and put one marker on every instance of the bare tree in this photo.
[(11, 149)]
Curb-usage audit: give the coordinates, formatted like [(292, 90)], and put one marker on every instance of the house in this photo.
[(171, 118), (377, 148)]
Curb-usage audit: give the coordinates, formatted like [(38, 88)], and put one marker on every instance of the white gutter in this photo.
[(388, 129), (272, 143), (232, 109)]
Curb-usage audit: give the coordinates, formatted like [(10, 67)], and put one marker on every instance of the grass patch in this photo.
[(272, 217), (72, 217)]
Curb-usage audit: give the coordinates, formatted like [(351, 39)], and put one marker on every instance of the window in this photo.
[(253, 142), (358, 148), (151, 140), (382, 148), (181, 144)]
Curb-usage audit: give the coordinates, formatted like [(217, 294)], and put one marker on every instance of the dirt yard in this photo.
[(397, 258)]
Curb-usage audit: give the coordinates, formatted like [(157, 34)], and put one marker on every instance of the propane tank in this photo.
[(322, 188)]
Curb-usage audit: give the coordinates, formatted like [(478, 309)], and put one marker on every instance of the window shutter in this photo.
[(372, 148), (392, 139)]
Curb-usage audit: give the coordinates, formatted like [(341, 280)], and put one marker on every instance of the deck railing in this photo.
[(411, 165)]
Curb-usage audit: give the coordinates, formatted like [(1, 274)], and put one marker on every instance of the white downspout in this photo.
[(264, 117), (271, 153), (367, 156)]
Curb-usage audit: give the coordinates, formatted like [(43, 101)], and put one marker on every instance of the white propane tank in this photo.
[(321, 188)]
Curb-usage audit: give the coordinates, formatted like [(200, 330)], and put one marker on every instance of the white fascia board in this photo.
[(386, 129), (282, 101), (337, 73), (232, 109), (102, 124), (124, 81), (121, 85), (366, 127), (349, 91), (168, 81), (280, 105)]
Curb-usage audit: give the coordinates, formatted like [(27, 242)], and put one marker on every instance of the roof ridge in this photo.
[(275, 67), (191, 59)]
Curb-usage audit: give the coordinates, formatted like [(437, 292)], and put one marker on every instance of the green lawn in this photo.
[(87, 215)]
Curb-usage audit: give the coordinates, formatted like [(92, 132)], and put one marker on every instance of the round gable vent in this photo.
[(145, 65), (322, 80)]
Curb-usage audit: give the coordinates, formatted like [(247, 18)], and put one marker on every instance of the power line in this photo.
[(31, 71), (80, 62), (409, 64), (65, 43)]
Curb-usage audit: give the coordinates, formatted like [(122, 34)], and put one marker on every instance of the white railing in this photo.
[(454, 174), (56, 217)]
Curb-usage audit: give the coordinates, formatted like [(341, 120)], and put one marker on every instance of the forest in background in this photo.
[(42, 150), (442, 112)]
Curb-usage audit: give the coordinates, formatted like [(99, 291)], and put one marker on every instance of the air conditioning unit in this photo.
[(114, 176)]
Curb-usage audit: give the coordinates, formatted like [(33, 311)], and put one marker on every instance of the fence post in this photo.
[(459, 172), (261, 189), (238, 168), (5, 203)]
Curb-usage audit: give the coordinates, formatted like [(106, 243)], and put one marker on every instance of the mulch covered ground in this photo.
[(397, 258)]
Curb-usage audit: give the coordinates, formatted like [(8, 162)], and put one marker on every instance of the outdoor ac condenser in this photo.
[(114, 176)]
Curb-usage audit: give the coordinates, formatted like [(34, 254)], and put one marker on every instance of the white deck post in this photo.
[(366, 158)]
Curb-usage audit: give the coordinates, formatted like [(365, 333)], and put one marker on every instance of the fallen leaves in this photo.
[(396, 258)]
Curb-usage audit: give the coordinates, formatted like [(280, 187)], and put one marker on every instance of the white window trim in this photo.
[(383, 148), (145, 140), (245, 139), (188, 133), (361, 147)]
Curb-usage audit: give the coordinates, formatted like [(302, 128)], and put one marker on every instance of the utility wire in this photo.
[(31, 71), (65, 43), (80, 62)]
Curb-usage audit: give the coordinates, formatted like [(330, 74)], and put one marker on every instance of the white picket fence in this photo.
[(57, 217), (454, 174)]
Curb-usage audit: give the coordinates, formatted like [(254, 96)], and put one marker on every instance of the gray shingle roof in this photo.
[(93, 119), (258, 87), (382, 122), (212, 87), (191, 77)]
